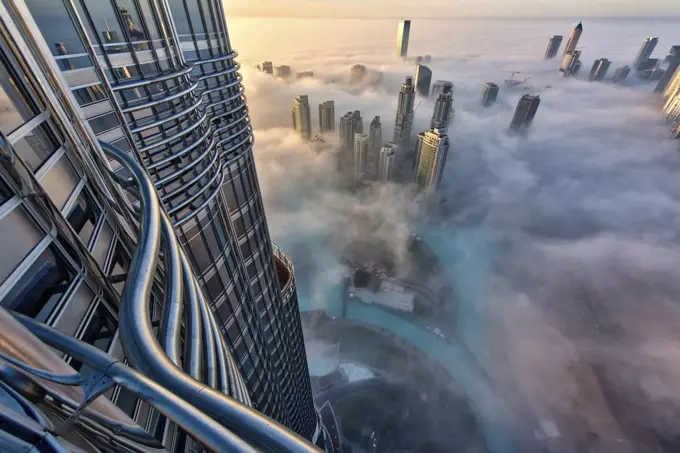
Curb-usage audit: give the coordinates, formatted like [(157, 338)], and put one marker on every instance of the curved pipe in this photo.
[(178, 134), (174, 116), (146, 355), (170, 97), (182, 220), (141, 83), (191, 199), (174, 293)]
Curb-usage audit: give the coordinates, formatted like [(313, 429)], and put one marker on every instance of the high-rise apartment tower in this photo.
[(553, 46)]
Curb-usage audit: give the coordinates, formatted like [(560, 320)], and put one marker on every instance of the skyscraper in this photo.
[(268, 67), (388, 155), (524, 113), (432, 151), (439, 86), (570, 63), (327, 117), (180, 111), (357, 73), (575, 35), (360, 156), (282, 72), (673, 86), (374, 142), (671, 108), (404, 118), (302, 117), (489, 94), (351, 123), (673, 60), (403, 31), (599, 70), (642, 60), (443, 111), (423, 80), (621, 74), (553, 46)]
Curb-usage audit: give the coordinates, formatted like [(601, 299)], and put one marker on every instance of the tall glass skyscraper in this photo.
[(403, 33), (158, 80), (403, 121), (302, 117), (432, 151)]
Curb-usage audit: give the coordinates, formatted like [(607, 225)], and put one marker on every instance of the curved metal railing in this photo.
[(201, 389)]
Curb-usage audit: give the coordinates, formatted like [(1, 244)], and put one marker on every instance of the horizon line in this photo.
[(267, 16)]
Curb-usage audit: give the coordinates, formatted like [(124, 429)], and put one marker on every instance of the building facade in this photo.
[(642, 60), (438, 87), (553, 46), (423, 80), (525, 113), (388, 156), (673, 60), (302, 117), (443, 111), (360, 157), (432, 151), (574, 37), (571, 63), (489, 94), (621, 74), (327, 117), (403, 121), (159, 81), (374, 144), (599, 70), (268, 67), (351, 123), (403, 32)]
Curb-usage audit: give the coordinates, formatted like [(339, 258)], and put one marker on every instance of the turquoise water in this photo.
[(465, 258)]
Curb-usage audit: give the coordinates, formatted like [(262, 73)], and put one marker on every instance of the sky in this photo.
[(576, 225), (450, 8)]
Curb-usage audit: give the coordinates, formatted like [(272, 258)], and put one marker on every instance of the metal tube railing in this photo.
[(198, 424), (145, 353)]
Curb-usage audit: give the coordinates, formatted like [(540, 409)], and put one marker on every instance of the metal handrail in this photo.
[(198, 424), (145, 353)]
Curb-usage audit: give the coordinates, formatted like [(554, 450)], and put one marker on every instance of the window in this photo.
[(25, 235), (104, 122), (83, 216), (74, 311), (131, 21), (89, 95), (61, 35), (214, 286), (100, 330), (119, 265), (5, 192), (37, 146), (200, 253), (60, 181), (41, 286)]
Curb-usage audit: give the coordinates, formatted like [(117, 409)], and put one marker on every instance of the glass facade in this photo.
[(63, 244), (159, 80)]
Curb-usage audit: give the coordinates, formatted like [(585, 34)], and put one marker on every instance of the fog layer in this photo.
[(576, 224)]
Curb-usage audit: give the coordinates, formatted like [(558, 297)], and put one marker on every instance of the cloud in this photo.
[(581, 217)]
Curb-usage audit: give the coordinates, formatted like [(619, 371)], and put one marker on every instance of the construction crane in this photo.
[(418, 105)]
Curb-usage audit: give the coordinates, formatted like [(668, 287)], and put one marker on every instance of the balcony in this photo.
[(285, 271)]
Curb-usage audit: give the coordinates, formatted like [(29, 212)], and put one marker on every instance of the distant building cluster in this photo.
[(368, 158)]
